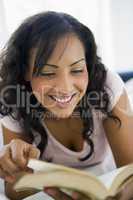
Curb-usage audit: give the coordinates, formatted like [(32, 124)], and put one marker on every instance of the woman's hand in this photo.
[(14, 157), (59, 195)]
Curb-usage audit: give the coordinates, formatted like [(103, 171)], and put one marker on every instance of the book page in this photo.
[(107, 179), (40, 196), (114, 179)]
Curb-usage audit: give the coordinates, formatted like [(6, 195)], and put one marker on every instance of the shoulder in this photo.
[(114, 86), (12, 124), (12, 129), (120, 137)]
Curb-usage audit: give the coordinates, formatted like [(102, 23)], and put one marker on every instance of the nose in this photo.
[(64, 85)]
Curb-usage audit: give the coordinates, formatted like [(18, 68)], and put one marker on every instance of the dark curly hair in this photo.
[(42, 31)]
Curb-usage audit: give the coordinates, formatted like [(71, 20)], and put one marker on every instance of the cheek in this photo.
[(83, 80), (85, 77), (39, 87)]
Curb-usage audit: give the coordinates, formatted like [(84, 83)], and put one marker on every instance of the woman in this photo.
[(59, 102)]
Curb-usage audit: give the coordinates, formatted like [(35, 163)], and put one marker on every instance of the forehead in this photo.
[(68, 49)]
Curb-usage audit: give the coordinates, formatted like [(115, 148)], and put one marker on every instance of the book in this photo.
[(68, 179), (39, 196)]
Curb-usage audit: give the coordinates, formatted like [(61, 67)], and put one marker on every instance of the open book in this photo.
[(49, 174)]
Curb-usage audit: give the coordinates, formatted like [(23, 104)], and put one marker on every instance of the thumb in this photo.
[(34, 152)]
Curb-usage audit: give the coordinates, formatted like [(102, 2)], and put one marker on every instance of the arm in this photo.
[(121, 138), (9, 136), (53, 192)]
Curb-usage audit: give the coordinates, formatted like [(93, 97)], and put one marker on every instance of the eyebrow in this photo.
[(56, 66)]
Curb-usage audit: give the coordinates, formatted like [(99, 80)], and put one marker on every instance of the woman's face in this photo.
[(63, 80)]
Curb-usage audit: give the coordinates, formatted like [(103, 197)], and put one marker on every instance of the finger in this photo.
[(10, 167), (79, 196), (34, 152), (6, 163), (4, 175), (18, 153), (57, 194)]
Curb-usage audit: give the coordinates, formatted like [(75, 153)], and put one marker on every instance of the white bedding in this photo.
[(2, 195)]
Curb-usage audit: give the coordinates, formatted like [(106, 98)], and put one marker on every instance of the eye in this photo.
[(77, 71), (47, 74)]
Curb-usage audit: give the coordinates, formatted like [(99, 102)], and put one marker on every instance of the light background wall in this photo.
[(122, 32), (109, 20)]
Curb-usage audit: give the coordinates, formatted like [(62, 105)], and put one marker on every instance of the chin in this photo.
[(61, 114)]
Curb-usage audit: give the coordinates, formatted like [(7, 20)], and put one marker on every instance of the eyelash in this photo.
[(78, 71), (52, 74)]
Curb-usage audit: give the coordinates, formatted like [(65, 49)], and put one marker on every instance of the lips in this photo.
[(62, 100)]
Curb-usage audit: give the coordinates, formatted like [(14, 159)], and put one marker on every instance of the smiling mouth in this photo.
[(62, 100)]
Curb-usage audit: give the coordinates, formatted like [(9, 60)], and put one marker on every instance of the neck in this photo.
[(51, 117)]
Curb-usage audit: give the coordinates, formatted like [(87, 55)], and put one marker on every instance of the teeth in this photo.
[(62, 100)]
